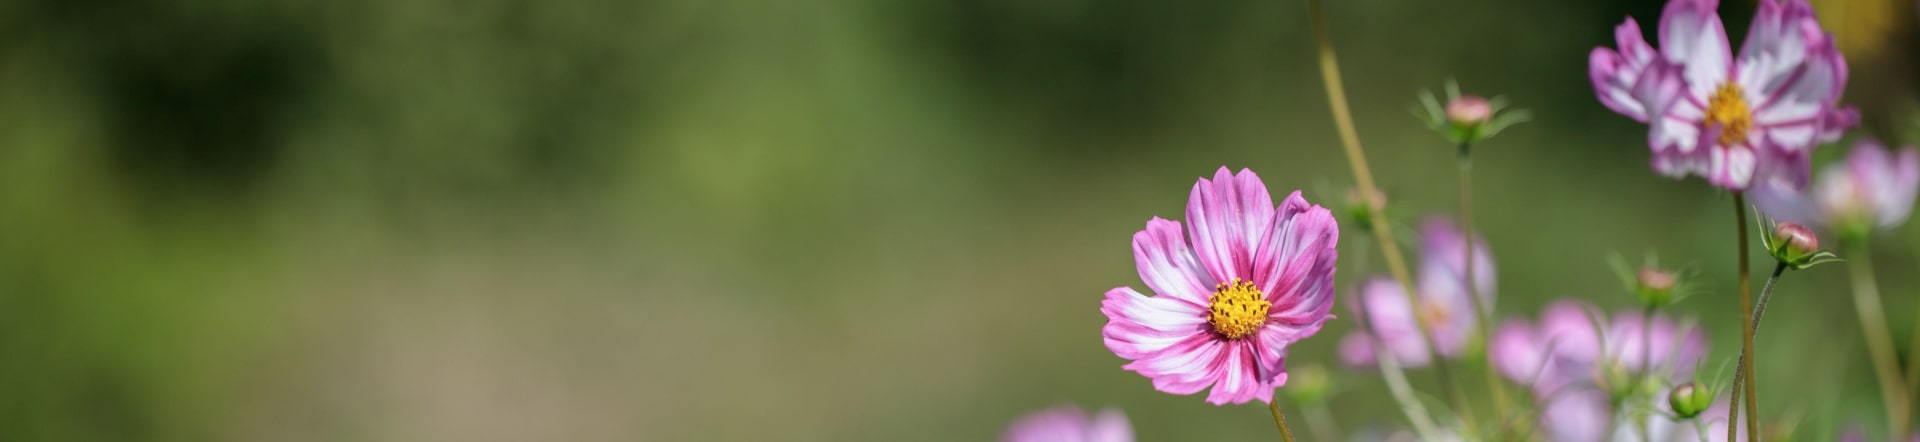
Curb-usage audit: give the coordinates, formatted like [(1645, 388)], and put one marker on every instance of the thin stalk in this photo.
[(1759, 313), (1480, 310), (1390, 370), (1646, 364), (1873, 324), (1363, 177), (1746, 328), (1280, 420)]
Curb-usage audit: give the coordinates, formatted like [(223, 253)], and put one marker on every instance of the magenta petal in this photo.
[(1237, 384), (1139, 326), (1614, 71), (1295, 265), (1516, 352), (1227, 217), (1356, 350), (1167, 265)]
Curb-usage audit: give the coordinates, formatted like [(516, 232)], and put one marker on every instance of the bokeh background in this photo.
[(728, 220)]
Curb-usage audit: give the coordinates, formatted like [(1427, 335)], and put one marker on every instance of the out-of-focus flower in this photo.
[(1068, 423), (1872, 189), (1584, 415), (1392, 322), (1565, 357), (1443, 302), (1469, 110), (1566, 349), (1689, 399), (1734, 120), (1653, 284), (1255, 280), (1467, 119), (1362, 207)]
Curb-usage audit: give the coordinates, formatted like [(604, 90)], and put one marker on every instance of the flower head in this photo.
[(1872, 190), (1245, 282), (1442, 301), (1068, 423), (1469, 110), (1735, 120), (1467, 119)]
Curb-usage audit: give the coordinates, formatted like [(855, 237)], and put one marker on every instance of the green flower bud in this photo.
[(1689, 400)]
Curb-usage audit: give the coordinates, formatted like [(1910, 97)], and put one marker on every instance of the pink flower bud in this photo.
[(1797, 240), (1469, 110), (1656, 284)]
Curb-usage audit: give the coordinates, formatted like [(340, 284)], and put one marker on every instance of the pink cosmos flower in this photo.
[(1255, 280), (1068, 423), (1566, 349), (1873, 189), (1733, 120), (1444, 302)]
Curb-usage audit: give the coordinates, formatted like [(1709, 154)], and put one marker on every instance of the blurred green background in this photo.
[(764, 220)]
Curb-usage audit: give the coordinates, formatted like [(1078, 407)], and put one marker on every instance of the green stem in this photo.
[(1759, 312), (1873, 324), (1480, 309), (1746, 328), (1389, 366), (1363, 177), (1280, 420), (1646, 365)]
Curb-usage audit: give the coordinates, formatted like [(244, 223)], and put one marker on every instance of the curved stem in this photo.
[(1280, 420), (1759, 313), (1480, 309), (1873, 324), (1363, 177), (1746, 329), (1390, 370)]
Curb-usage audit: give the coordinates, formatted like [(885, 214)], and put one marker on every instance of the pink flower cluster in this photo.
[(1573, 364), (1735, 120)]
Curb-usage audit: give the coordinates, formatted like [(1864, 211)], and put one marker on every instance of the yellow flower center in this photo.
[(1238, 309), (1728, 110), (1434, 314)]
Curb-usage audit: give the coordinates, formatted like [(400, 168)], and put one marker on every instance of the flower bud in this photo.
[(1689, 400), (1655, 285), (1362, 208), (1469, 110), (1797, 238), (1794, 243)]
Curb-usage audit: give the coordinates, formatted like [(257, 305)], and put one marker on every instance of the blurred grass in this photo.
[(739, 220)]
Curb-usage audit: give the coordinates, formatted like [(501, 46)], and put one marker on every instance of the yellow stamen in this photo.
[(1728, 110), (1435, 313), (1238, 309)]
